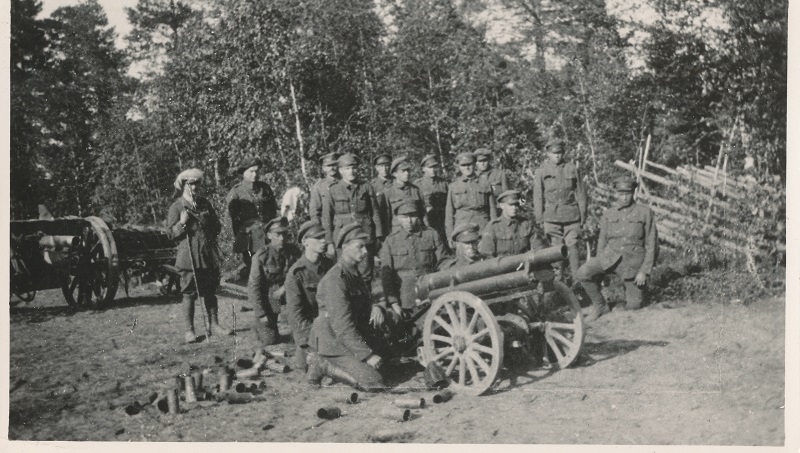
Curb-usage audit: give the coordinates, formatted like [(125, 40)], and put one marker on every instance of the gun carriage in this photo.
[(86, 258), (509, 307)]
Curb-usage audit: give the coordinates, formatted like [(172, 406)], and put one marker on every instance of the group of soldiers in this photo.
[(323, 283)]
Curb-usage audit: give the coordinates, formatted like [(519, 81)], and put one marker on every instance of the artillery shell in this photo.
[(172, 401), (188, 382), (249, 373), (410, 403), (396, 414), (224, 381), (197, 376), (277, 367), (241, 387), (133, 409), (238, 398), (351, 398), (443, 396), (329, 413)]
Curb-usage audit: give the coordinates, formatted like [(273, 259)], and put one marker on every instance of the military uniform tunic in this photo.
[(267, 274), (468, 200), (506, 236), (558, 194), (351, 202), (497, 180), (404, 257), (396, 194), (249, 202), (302, 281), (319, 195), (628, 233), (379, 186), (199, 234), (434, 195)]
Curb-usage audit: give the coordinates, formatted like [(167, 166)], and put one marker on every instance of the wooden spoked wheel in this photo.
[(92, 273), (561, 321), (463, 337)]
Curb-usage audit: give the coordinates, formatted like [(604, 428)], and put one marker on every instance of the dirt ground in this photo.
[(669, 374)]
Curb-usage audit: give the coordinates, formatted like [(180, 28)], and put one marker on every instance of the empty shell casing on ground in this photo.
[(351, 398), (224, 381), (249, 373), (396, 413), (172, 401), (197, 376), (133, 409), (410, 403), (277, 366), (329, 413), (238, 398), (190, 396), (241, 387), (162, 403), (443, 396)]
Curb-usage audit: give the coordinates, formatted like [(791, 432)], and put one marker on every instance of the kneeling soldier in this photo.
[(267, 274), (410, 251), (626, 246), (343, 337), (509, 234), (465, 237), (301, 286)]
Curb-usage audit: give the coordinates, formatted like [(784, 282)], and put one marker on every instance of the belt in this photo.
[(349, 216)]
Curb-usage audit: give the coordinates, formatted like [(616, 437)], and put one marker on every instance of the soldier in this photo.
[(410, 251), (509, 234), (301, 286), (434, 193), (626, 247), (465, 237), (379, 184), (352, 200), (193, 222), (401, 190), (343, 337), (267, 275), (251, 204), (469, 199), (496, 177), (559, 201), (321, 189)]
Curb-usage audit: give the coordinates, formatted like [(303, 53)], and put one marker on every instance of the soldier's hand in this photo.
[(279, 292), (375, 361), (641, 279), (376, 318), (184, 217)]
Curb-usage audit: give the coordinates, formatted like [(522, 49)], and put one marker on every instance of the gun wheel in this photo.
[(560, 314), (92, 273), (462, 335)]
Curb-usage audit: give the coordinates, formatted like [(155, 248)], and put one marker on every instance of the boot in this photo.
[(317, 366), (599, 305), (213, 315), (187, 310)]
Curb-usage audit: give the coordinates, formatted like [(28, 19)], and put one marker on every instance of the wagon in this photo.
[(86, 258), (508, 308)]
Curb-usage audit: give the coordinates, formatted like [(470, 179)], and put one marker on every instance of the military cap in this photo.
[(407, 207), (311, 229), (328, 159), (247, 163), (624, 184), (465, 159), (277, 225), (430, 160), (350, 232), (555, 145), (348, 159), (482, 154), (465, 232), (382, 159), (190, 175), (509, 197), (399, 164)]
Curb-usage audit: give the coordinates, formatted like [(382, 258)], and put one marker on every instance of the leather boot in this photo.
[(317, 367), (213, 316), (599, 305), (187, 310)]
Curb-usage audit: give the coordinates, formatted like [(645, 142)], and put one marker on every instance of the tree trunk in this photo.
[(299, 134)]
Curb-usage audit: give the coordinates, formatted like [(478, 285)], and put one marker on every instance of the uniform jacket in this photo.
[(628, 233), (505, 236), (434, 195), (468, 200), (349, 202), (345, 305), (558, 193), (248, 202), (379, 185), (301, 284), (319, 195), (396, 194), (203, 227), (404, 257), (497, 180), (267, 274)]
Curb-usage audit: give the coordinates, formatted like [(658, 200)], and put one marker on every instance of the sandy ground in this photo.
[(708, 374)]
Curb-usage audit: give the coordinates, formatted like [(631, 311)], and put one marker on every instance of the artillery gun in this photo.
[(508, 307), (85, 258)]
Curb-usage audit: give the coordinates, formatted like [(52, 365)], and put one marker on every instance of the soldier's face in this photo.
[(277, 239), (383, 170), (623, 198), (509, 210), (330, 170), (482, 165), (468, 250), (315, 245), (406, 222), (348, 172), (251, 174), (556, 158), (354, 251), (192, 188), (431, 172), (402, 175), (467, 169)]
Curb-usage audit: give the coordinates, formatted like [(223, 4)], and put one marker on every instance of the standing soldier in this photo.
[(267, 275), (401, 190), (469, 199), (626, 247), (434, 193), (301, 286), (465, 237), (344, 342), (193, 222), (380, 183), (559, 201), (509, 234), (496, 177), (251, 204), (322, 188), (410, 251), (352, 200)]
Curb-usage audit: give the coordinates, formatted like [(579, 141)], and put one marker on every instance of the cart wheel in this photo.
[(462, 335), (21, 280), (562, 325), (92, 274)]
